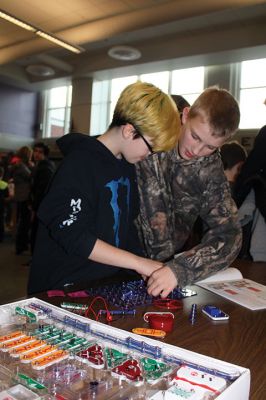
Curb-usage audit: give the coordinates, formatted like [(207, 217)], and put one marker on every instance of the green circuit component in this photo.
[(153, 369), (114, 357)]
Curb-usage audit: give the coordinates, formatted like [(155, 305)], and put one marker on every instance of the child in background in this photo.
[(3, 198), (86, 228), (233, 157)]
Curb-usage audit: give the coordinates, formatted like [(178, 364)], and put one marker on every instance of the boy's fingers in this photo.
[(154, 289), (165, 293)]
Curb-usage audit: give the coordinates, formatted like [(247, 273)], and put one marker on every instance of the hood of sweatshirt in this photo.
[(79, 141)]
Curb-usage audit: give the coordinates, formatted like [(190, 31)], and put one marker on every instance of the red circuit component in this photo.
[(130, 369), (93, 354)]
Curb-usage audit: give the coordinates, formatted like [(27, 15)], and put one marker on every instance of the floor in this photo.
[(14, 271)]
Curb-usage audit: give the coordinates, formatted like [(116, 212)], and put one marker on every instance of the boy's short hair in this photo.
[(232, 153), (43, 146), (151, 112), (220, 109), (180, 102)]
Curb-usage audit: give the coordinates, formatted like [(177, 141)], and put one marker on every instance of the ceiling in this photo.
[(168, 33)]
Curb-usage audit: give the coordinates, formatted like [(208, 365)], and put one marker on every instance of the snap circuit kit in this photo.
[(47, 352)]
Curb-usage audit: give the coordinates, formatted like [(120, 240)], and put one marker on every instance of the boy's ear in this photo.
[(185, 113), (128, 131)]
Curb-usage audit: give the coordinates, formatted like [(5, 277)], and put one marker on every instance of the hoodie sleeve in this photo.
[(68, 208), (222, 236)]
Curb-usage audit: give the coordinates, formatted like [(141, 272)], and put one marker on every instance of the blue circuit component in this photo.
[(127, 295)]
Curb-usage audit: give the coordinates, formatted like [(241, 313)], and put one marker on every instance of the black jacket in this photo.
[(253, 174), (92, 195)]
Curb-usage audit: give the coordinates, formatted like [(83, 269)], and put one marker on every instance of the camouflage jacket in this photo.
[(173, 194)]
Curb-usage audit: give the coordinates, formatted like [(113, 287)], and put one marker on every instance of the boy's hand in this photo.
[(161, 282), (147, 267)]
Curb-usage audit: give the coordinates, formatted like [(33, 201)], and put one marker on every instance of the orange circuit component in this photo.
[(149, 332)]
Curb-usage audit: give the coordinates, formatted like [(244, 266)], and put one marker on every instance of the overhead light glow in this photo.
[(16, 21), (40, 32), (55, 40)]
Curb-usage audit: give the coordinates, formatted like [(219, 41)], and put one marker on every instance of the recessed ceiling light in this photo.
[(40, 70), (124, 53)]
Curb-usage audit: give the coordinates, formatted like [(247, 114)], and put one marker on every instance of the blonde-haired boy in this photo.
[(86, 229), (151, 112)]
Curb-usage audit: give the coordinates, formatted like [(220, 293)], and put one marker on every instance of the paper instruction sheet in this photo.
[(230, 285)]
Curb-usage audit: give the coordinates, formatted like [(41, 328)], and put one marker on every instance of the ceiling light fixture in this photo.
[(60, 42), (124, 53), (40, 32), (40, 70)]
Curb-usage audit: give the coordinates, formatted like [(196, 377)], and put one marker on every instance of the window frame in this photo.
[(46, 131)]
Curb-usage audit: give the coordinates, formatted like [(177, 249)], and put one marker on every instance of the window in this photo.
[(117, 86), (159, 79), (253, 94), (57, 111), (186, 82), (99, 107)]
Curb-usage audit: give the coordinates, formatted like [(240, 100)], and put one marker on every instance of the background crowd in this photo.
[(24, 177)]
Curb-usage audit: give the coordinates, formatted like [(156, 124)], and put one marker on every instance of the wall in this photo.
[(18, 116)]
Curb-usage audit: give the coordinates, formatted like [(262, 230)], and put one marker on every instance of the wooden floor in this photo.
[(14, 272)]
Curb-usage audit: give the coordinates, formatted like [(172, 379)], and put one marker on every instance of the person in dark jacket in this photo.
[(250, 197), (253, 173), (20, 174), (86, 228), (41, 176), (3, 199)]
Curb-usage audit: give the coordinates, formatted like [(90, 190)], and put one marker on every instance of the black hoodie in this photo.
[(93, 195)]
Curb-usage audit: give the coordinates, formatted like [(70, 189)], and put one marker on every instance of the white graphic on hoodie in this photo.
[(76, 208)]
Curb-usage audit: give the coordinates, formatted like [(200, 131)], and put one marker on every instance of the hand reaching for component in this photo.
[(161, 282)]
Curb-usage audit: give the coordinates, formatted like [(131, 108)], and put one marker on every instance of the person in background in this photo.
[(233, 157), (20, 175), (180, 102), (250, 197), (41, 176), (10, 206), (86, 228), (3, 198), (178, 186)]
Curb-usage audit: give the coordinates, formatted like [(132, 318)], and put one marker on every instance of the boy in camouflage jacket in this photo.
[(178, 186)]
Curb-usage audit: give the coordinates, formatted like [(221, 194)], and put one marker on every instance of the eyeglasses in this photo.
[(138, 134)]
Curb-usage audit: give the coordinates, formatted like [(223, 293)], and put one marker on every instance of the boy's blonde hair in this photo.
[(151, 112), (219, 108)]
